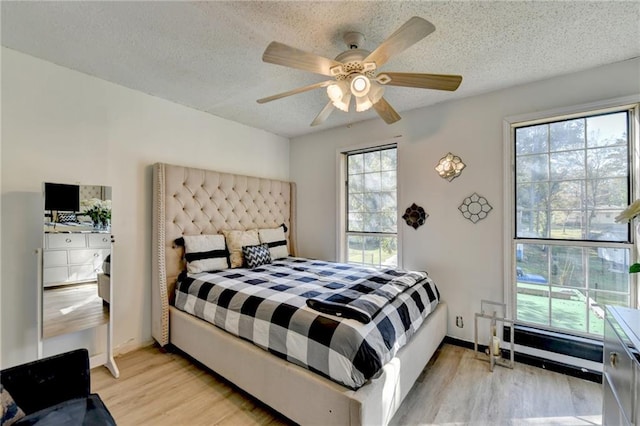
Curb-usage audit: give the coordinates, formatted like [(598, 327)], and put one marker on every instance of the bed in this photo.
[(189, 201)]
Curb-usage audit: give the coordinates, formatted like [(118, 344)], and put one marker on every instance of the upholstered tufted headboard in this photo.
[(188, 201)]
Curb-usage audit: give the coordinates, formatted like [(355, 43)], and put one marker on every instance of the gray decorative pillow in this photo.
[(255, 256), (11, 413)]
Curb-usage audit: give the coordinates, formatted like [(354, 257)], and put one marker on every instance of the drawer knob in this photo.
[(613, 359), (96, 254), (105, 240), (68, 240)]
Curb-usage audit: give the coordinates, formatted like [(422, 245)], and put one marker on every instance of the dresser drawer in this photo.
[(86, 257), (99, 240), (66, 241), (619, 369), (55, 275), (82, 273), (54, 258)]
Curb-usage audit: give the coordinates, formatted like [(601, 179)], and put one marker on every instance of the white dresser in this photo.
[(73, 257), (621, 366)]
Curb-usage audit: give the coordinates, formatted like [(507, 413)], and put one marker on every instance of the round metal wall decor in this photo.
[(475, 207), (415, 216)]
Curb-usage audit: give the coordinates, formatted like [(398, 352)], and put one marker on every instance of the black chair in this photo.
[(56, 391)]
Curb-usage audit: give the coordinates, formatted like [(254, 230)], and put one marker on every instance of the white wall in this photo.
[(63, 126), (465, 259)]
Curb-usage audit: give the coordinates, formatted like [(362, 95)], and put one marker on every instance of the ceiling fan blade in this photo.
[(414, 30), (386, 111), (281, 54), (322, 116), (295, 91), (423, 81)]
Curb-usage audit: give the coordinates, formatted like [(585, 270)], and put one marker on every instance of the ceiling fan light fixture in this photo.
[(363, 103), (343, 104), (335, 92), (360, 85)]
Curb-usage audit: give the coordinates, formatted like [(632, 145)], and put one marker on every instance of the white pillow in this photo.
[(276, 240), (238, 239), (205, 253)]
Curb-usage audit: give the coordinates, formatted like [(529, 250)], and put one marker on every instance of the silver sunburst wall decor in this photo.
[(475, 207)]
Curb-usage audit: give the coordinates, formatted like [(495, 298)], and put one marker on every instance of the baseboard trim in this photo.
[(558, 367)]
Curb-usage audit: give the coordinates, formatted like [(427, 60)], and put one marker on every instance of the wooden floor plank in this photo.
[(161, 388)]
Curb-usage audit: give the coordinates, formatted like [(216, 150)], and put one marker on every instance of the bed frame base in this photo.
[(288, 388)]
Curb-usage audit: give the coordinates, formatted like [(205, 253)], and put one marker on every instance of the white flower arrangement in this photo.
[(98, 210)]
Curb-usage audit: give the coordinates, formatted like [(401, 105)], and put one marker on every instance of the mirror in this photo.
[(76, 257)]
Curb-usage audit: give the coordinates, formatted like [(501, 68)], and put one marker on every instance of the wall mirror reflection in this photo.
[(76, 257)]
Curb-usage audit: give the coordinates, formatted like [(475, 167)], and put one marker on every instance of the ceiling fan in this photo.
[(354, 71)]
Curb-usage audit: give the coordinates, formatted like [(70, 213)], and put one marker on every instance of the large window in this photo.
[(371, 207), (572, 178)]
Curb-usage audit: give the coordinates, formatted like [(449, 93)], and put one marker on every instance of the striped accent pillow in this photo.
[(276, 240), (205, 253)]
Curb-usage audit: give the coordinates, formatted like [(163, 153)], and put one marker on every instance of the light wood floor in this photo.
[(157, 388), (72, 307)]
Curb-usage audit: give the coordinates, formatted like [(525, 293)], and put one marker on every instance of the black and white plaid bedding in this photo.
[(268, 306), (362, 299)]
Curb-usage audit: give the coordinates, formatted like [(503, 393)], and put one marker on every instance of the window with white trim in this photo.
[(371, 209), (572, 176)]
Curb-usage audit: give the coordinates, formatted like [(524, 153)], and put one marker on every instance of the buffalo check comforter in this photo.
[(268, 306)]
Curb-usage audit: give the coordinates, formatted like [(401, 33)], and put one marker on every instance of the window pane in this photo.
[(569, 309), (355, 248), (532, 195), (389, 159), (532, 168), (607, 162), (356, 163), (608, 269), (372, 161), (388, 181), (532, 224), (532, 139), (372, 182), (567, 165), (567, 266), (609, 129), (532, 304), (607, 193), (533, 263), (356, 222), (356, 183), (564, 135), (373, 250)]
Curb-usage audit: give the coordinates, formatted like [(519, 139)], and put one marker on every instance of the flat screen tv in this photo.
[(61, 197)]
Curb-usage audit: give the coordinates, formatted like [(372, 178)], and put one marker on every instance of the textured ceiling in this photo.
[(207, 55)]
